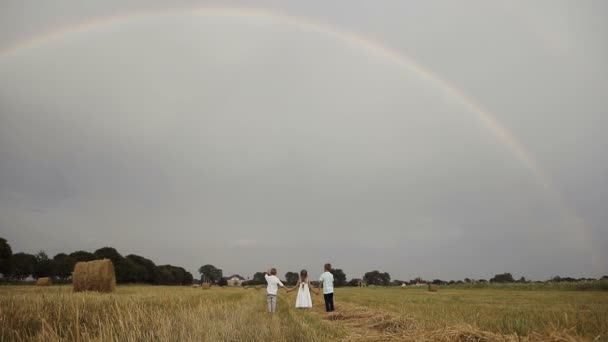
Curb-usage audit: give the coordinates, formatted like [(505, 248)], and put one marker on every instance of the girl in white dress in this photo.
[(303, 300)]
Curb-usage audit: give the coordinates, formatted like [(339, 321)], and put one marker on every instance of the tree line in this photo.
[(138, 269), (130, 269)]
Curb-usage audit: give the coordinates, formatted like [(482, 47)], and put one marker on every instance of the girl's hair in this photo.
[(273, 271), (303, 275), (328, 267)]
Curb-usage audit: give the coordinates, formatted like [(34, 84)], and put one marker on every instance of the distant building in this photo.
[(235, 280)]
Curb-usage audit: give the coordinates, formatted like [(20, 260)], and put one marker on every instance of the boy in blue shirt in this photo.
[(327, 280)]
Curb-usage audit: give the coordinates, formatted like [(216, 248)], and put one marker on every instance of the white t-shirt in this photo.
[(328, 282), (273, 284)]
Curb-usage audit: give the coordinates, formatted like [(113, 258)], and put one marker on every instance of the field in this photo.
[(147, 313)]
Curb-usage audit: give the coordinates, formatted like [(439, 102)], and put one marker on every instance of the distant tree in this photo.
[(354, 282), (604, 277), (44, 266), (6, 254), (522, 280), (146, 270), (467, 280), (63, 265), (164, 275), (173, 275), (258, 278), (377, 278), (397, 282), (223, 282), (182, 277), (291, 278), (23, 265), (339, 277), (482, 281), (503, 278), (438, 282), (188, 279), (210, 274), (83, 256), (121, 268), (418, 280)]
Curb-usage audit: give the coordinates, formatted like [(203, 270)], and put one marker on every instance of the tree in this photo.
[(438, 282), (145, 268), (291, 278), (43, 266), (6, 253), (397, 282), (258, 278), (121, 268), (354, 282), (339, 277), (83, 256), (210, 274), (23, 265), (503, 278), (173, 275), (522, 280), (63, 266), (377, 278)]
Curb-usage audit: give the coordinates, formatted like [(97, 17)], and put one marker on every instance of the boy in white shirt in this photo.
[(327, 280), (272, 289)]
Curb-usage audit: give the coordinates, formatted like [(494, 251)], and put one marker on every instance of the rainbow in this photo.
[(403, 61)]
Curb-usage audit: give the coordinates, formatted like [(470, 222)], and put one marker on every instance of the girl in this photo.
[(303, 299)]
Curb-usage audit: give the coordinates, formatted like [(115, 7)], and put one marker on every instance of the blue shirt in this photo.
[(328, 282)]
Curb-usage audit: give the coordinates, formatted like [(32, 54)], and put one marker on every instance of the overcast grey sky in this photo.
[(250, 141)]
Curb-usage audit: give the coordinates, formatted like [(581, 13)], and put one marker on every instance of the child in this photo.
[(272, 289), (303, 299), (327, 279)]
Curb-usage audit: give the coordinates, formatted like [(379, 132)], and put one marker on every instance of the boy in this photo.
[(272, 289), (327, 279)]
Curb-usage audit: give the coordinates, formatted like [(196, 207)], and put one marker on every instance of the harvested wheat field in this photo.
[(165, 313)]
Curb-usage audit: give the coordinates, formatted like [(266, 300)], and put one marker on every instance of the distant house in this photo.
[(235, 280)]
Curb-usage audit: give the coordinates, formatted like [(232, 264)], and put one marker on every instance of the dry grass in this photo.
[(97, 275), (164, 313), (481, 314), (150, 313)]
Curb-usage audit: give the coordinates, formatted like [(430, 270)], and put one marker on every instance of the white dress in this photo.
[(303, 300)]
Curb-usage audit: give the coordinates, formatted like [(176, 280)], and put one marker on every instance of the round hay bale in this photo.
[(433, 288), (44, 281), (96, 275), (206, 286), (257, 287)]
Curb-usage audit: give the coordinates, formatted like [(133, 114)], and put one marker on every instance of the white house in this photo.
[(235, 280)]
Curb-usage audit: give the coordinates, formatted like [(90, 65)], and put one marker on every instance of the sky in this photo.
[(419, 138)]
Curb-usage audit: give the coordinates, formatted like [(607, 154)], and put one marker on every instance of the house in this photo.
[(235, 280)]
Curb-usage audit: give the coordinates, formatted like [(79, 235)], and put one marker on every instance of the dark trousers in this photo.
[(329, 301)]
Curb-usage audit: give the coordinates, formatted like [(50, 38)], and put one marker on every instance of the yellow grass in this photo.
[(164, 313)]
